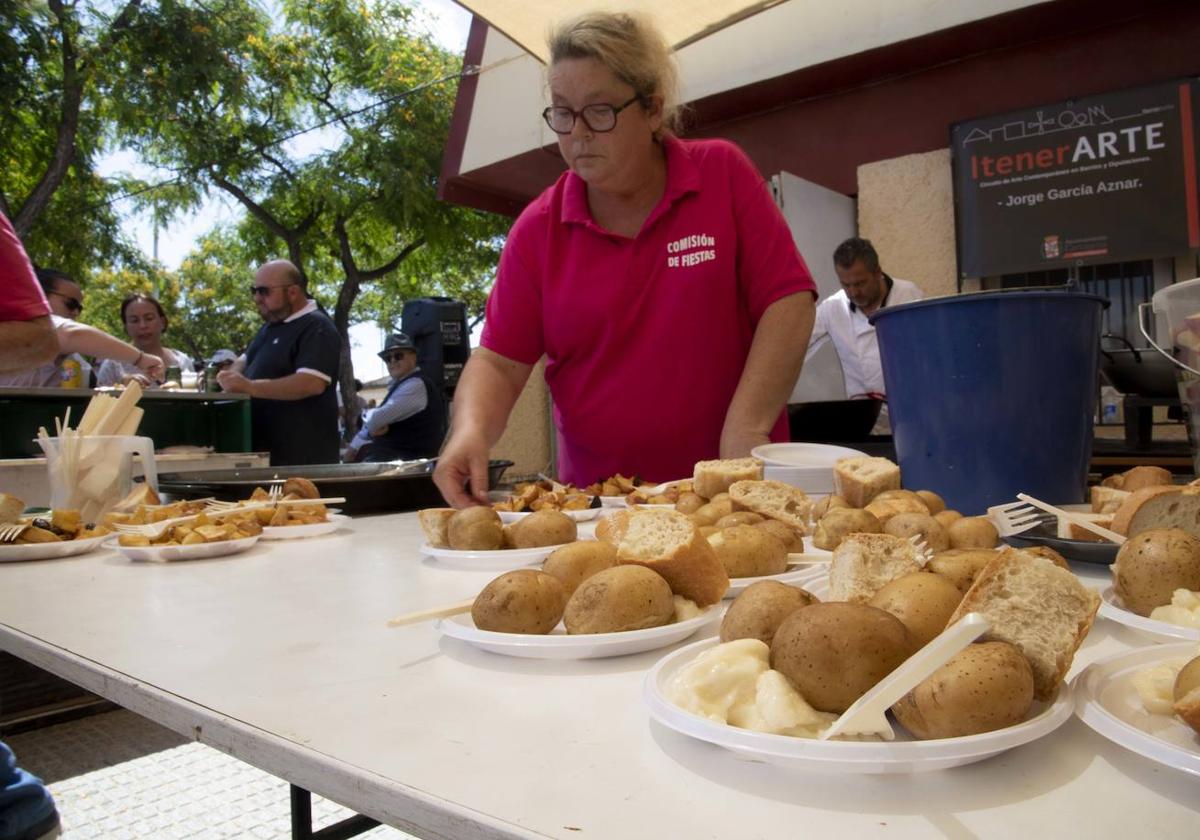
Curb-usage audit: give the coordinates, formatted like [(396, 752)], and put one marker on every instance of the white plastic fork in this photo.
[(868, 714), (924, 554), (274, 494), (9, 531), (1014, 518), (153, 530), (216, 508), (1111, 536)]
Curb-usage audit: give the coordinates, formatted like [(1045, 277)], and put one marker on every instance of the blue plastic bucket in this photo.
[(993, 394)]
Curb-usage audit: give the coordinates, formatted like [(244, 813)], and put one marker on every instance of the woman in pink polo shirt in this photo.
[(657, 277)]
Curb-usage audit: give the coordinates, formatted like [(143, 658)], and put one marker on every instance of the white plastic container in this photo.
[(92, 473), (1178, 306)]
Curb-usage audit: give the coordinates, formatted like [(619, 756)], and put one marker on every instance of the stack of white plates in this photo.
[(808, 466)]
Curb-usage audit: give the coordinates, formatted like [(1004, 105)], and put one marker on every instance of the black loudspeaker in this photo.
[(438, 326)]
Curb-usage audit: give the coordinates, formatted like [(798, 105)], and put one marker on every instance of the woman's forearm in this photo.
[(771, 370), (27, 344), (74, 337)]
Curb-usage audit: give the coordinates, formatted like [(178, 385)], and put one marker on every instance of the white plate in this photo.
[(498, 560), (559, 645), (50, 550), (200, 551), (612, 501), (1111, 607), (818, 584), (1106, 700), (796, 575), (899, 756), (299, 532), (812, 456), (586, 515)]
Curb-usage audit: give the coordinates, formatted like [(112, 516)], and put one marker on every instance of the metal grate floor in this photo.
[(118, 776)]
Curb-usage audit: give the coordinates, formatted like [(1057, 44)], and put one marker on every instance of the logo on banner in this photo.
[(1050, 247), (691, 250)]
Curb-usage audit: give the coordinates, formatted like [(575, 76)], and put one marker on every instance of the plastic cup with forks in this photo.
[(92, 473)]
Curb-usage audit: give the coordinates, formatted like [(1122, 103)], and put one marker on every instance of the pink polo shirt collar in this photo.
[(682, 178)]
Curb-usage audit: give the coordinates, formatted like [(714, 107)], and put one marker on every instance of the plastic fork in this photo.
[(11, 530), (1014, 518), (1111, 536), (924, 553), (215, 508), (868, 715), (274, 494), (153, 530)]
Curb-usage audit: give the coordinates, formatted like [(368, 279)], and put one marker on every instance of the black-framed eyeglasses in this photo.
[(266, 290), (393, 357), (599, 118), (74, 304)]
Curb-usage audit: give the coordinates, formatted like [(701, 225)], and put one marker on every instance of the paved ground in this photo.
[(117, 776)]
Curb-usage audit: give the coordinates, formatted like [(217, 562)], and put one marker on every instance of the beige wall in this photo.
[(906, 209), (528, 439)]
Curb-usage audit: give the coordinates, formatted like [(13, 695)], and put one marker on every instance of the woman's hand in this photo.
[(465, 458), (140, 379), (151, 365)]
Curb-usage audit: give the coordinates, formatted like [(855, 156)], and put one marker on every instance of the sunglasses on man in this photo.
[(256, 291), (394, 357)]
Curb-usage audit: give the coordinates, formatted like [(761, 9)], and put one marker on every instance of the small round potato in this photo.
[(690, 502), (984, 687), (792, 539), (618, 599), (973, 532), (933, 501), (759, 610), (945, 517), (1151, 565), (833, 653), (1187, 681), (707, 531), (923, 601), (475, 529), (746, 551), (576, 562), (740, 517), (961, 565), (524, 601), (543, 527), (893, 495), (709, 514), (919, 524), (827, 504), (836, 525), (885, 509)]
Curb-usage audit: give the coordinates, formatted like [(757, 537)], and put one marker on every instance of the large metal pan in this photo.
[(368, 488)]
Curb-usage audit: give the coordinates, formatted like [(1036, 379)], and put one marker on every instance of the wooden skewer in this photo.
[(433, 612)]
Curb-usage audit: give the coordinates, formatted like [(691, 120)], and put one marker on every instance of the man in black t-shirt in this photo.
[(289, 371)]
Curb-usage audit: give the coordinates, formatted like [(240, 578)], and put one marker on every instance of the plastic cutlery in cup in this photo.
[(868, 715)]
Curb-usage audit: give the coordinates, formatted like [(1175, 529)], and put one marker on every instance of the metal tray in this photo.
[(368, 488)]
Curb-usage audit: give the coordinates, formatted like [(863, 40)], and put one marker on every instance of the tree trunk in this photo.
[(68, 125)]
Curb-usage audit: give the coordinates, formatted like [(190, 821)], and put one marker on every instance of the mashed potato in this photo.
[(1184, 609)]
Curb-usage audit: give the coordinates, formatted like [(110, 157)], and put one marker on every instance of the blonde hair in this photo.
[(632, 48)]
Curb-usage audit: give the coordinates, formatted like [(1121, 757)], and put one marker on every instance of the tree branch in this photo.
[(68, 125), (390, 265)]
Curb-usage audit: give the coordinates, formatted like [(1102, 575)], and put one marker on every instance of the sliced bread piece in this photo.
[(859, 480), (434, 522), (713, 477), (668, 542), (1107, 499), (862, 564), (611, 527), (773, 499), (1041, 608), (1159, 507), (1068, 530)]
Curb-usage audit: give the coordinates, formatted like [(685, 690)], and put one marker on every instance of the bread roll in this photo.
[(1139, 477), (1041, 609), (713, 477), (773, 499), (10, 507), (668, 542), (859, 480), (864, 563), (434, 522)]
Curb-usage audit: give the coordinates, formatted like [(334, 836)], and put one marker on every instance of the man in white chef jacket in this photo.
[(842, 319)]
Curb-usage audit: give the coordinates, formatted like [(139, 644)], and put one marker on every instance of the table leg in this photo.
[(302, 821)]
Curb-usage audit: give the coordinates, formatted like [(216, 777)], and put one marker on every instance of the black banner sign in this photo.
[(1098, 179)]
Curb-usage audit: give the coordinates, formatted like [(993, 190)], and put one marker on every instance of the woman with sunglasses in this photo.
[(145, 322), (656, 275)]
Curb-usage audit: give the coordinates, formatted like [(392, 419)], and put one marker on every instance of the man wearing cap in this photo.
[(288, 370), (411, 422)]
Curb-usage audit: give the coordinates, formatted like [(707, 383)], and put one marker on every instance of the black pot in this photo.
[(388, 487), (1144, 373)]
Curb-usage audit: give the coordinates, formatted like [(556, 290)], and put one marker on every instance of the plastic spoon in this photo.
[(868, 715)]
